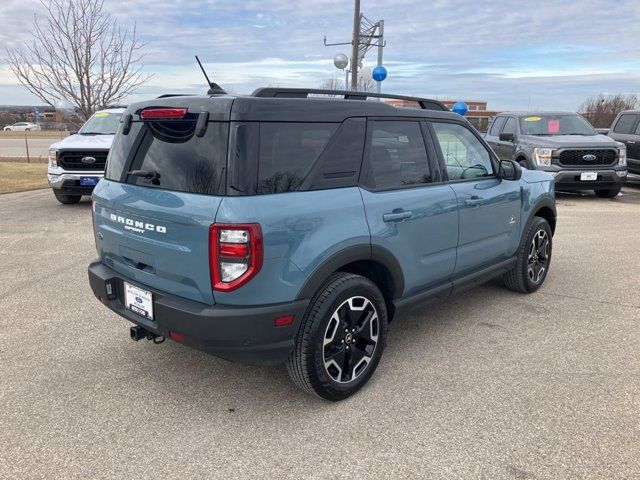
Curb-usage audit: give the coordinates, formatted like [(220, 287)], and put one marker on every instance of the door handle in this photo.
[(630, 142), (473, 201), (398, 215)]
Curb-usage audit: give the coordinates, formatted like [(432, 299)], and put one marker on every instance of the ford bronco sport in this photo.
[(564, 144), (76, 164), (283, 228)]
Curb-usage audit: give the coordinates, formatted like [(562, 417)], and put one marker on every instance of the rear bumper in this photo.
[(69, 183), (570, 179), (242, 334)]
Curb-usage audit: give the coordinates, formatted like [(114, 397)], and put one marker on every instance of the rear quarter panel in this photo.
[(300, 231)]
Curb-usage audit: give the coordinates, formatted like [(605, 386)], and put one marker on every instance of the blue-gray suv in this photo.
[(288, 227)]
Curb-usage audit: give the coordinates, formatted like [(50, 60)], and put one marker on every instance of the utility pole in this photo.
[(366, 35), (355, 43), (380, 49)]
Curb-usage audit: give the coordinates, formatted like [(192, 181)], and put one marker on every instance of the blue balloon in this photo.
[(460, 108), (379, 73)]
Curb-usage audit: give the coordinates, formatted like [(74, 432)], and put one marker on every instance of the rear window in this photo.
[(288, 151), (168, 155)]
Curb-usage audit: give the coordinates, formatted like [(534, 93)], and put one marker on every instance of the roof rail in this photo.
[(272, 92), (168, 95)]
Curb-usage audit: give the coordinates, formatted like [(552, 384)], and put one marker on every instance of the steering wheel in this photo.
[(477, 166)]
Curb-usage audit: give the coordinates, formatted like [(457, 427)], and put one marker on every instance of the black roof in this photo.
[(296, 105)]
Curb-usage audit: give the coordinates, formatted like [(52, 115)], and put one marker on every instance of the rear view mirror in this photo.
[(507, 137), (509, 170)]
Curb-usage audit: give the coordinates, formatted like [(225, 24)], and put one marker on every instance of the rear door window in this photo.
[(397, 156), (288, 151), (168, 155), (625, 123)]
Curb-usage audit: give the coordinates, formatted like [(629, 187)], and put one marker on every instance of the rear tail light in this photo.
[(162, 113), (235, 254)]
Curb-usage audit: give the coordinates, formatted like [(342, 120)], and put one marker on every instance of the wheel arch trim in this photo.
[(349, 255)]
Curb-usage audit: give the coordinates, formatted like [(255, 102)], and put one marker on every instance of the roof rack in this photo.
[(168, 95), (272, 92)]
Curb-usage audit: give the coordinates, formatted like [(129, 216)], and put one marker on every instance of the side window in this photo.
[(464, 155), (510, 126), (397, 156), (637, 132), (287, 153), (496, 126), (625, 123)]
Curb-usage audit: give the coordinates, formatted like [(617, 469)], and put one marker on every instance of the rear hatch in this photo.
[(164, 182)]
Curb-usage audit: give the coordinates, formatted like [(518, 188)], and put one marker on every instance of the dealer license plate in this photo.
[(88, 181), (588, 176), (138, 300)]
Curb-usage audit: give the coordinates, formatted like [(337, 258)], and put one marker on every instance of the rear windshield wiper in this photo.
[(96, 133), (146, 174)]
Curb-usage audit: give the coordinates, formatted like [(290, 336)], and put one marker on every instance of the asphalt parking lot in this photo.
[(492, 384)]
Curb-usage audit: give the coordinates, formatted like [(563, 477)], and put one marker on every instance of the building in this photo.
[(478, 115)]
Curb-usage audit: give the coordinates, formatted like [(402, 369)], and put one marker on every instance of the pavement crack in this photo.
[(602, 302)]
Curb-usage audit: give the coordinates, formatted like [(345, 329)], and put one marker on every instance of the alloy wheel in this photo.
[(350, 339), (538, 260)]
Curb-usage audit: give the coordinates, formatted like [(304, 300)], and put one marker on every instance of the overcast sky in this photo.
[(513, 54)]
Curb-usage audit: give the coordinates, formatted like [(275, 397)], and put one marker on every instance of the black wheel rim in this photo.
[(350, 339), (538, 260)]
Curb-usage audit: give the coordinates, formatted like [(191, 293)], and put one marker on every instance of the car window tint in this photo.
[(464, 155), (510, 126), (174, 157), (397, 156), (625, 123), (287, 153), (496, 126), (637, 132)]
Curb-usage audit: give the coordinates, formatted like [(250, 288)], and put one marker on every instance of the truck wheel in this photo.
[(608, 192), (67, 199), (534, 258), (341, 338)]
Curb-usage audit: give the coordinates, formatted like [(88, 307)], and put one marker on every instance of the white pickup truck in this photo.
[(76, 163)]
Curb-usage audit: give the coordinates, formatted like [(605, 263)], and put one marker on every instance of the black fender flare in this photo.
[(548, 203), (349, 255)]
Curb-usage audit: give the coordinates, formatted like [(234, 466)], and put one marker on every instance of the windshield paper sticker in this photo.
[(554, 126), (100, 115), (532, 119)]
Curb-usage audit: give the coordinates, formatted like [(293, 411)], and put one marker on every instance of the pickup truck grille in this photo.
[(72, 159), (576, 157)]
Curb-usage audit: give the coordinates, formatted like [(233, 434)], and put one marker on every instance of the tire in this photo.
[(523, 163), (329, 361), (608, 192), (67, 199), (532, 266)]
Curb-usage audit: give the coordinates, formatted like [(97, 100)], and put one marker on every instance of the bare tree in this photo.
[(332, 84), (601, 110), (78, 53), (366, 85)]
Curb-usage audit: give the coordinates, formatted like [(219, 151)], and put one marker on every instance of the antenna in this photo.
[(214, 88)]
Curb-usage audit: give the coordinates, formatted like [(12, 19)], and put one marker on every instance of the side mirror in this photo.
[(507, 137), (509, 170)]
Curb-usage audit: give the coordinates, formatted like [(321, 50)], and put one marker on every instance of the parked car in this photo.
[(564, 144), (626, 129), (22, 127), (277, 228), (76, 163)]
